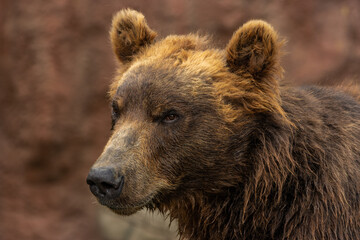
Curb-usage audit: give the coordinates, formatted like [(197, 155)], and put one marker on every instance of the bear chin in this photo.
[(129, 208), (126, 211)]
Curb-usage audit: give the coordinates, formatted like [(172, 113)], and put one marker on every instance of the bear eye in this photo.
[(115, 113), (170, 117)]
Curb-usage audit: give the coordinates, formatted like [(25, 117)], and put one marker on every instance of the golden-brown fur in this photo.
[(129, 33), (245, 157)]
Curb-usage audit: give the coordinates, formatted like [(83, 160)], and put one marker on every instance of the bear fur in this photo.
[(215, 139)]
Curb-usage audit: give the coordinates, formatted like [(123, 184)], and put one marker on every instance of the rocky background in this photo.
[(55, 66)]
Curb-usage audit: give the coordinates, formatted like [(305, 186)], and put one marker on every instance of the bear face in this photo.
[(175, 103), (152, 126)]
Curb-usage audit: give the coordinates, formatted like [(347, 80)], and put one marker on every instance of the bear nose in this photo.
[(103, 182)]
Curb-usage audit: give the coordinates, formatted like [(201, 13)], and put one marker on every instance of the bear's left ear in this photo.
[(254, 49), (129, 34), (253, 54)]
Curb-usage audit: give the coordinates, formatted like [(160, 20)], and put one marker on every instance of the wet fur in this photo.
[(259, 160)]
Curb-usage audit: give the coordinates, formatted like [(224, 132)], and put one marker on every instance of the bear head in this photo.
[(178, 105)]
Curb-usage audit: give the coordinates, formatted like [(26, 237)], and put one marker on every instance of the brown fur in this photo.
[(246, 157)]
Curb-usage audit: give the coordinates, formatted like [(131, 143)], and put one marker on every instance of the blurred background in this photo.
[(56, 63)]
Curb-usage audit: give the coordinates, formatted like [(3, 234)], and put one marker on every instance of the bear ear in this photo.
[(254, 49), (253, 53), (129, 34)]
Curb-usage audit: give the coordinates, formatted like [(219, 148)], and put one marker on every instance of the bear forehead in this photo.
[(190, 52), (145, 80), (176, 62)]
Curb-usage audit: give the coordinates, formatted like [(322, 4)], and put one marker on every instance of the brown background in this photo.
[(56, 63)]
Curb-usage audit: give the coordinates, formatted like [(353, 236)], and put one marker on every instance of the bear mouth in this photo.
[(128, 208)]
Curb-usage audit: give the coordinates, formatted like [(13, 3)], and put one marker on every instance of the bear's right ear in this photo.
[(129, 33)]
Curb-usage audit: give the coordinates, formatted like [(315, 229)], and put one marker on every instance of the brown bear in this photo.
[(214, 139)]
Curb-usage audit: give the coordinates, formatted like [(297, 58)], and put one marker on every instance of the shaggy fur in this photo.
[(213, 139)]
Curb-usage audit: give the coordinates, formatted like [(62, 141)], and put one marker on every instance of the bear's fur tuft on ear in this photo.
[(129, 33), (254, 48)]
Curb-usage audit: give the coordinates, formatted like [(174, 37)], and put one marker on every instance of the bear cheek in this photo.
[(137, 184), (142, 180)]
